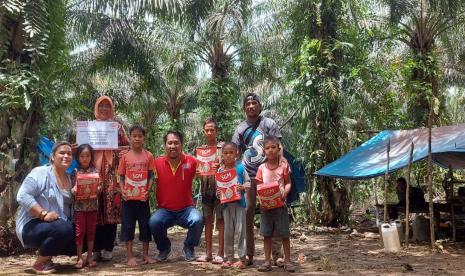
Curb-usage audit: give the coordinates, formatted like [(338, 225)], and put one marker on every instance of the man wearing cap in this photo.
[(249, 136)]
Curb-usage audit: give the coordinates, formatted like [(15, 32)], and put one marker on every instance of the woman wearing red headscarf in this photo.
[(106, 162)]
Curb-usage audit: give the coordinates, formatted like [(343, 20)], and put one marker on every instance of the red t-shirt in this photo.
[(174, 189), (135, 161)]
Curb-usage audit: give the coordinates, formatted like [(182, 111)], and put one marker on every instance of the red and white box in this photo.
[(136, 185), (87, 186), (226, 184), (206, 157), (270, 196)]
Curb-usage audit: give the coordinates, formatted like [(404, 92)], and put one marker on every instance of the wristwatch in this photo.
[(43, 213)]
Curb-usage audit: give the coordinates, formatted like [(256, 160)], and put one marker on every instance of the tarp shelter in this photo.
[(297, 176), (370, 159), (44, 146)]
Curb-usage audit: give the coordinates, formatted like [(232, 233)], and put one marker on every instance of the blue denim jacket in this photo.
[(39, 187)]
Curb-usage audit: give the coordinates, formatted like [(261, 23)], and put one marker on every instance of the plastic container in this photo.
[(400, 229), (390, 237)]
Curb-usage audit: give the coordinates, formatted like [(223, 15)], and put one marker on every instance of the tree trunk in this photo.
[(24, 130), (334, 205)]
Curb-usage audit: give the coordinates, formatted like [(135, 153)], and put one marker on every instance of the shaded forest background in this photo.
[(330, 72)]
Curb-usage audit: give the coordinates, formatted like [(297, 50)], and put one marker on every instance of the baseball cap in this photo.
[(250, 97)]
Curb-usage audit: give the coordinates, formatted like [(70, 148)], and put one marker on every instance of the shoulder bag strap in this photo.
[(246, 141)]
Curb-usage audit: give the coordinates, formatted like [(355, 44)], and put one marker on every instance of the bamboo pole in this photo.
[(407, 196), (386, 180), (430, 176)]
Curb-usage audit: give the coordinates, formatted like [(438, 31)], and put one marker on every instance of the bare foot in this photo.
[(91, 262), (148, 260), (132, 262), (79, 264)]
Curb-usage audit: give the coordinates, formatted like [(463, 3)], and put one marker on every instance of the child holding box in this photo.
[(136, 179), (211, 207), (86, 186), (232, 183), (275, 221)]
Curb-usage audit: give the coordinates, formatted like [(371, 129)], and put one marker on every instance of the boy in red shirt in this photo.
[(136, 179)]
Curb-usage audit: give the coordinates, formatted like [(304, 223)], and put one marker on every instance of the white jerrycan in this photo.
[(390, 237), (400, 229)]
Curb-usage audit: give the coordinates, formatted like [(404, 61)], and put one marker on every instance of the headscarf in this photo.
[(100, 154), (99, 101)]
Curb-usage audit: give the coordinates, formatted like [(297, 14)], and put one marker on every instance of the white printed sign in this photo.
[(100, 135)]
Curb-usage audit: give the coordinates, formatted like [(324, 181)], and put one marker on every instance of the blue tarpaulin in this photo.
[(299, 184), (44, 146), (370, 159)]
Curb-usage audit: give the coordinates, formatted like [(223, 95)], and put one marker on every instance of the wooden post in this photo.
[(373, 186), (407, 196), (386, 180), (430, 176)]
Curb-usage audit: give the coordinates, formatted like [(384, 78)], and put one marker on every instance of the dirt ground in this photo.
[(316, 252)]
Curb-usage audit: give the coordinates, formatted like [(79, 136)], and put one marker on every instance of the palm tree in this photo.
[(33, 56), (336, 88), (425, 28)]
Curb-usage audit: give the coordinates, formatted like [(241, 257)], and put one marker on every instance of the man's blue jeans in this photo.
[(188, 218)]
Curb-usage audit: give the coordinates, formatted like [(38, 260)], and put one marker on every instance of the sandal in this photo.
[(265, 267), (289, 267), (217, 260), (248, 262), (227, 264), (204, 259), (279, 262), (239, 265)]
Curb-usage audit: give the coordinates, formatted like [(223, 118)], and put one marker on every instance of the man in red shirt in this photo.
[(174, 173)]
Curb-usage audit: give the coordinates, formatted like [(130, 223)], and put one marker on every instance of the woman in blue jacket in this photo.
[(44, 219)]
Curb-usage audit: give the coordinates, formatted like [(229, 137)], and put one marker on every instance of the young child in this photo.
[(275, 221), (85, 211), (234, 212), (136, 174), (210, 204)]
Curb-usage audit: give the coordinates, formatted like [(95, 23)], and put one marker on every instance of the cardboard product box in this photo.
[(87, 186), (136, 185), (206, 157), (269, 195), (226, 183)]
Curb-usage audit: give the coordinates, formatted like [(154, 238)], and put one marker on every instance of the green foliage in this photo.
[(17, 81), (421, 73), (219, 99), (38, 78), (332, 70)]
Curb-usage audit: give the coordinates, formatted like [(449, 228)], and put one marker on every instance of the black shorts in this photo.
[(132, 211)]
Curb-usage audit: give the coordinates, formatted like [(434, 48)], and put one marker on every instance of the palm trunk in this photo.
[(25, 130)]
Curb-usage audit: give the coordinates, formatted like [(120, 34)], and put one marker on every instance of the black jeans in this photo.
[(52, 238), (105, 236)]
